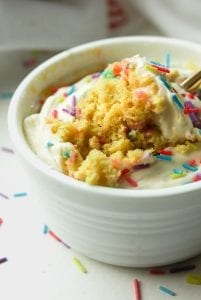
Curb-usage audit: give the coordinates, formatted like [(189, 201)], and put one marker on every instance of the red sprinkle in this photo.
[(54, 113), (197, 177), (188, 110), (191, 96), (124, 172), (1, 221), (162, 69), (165, 152), (157, 272), (131, 181), (117, 69), (192, 162), (136, 287), (54, 236)]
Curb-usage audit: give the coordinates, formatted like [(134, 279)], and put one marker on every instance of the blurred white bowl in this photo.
[(117, 226)]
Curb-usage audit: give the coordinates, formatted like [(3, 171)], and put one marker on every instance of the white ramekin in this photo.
[(124, 227)]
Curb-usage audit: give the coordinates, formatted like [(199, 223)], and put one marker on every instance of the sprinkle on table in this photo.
[(137, 290), (79, 265), (22, 194), (3, 260), (4, 196), (1, 221), (167, 290), (178, 269), (45, 229), (193, 279), (8, 150)]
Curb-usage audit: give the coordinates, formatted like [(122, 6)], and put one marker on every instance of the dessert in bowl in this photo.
[(114, 156)]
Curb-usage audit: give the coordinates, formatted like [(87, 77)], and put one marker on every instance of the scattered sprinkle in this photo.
[(189, 167), (131, 181), (6, 149), (54, 113), (167, 291), (197, 177), (54, 236), (108, 74), (193, 279), (45, 229), (1, 221), (96, 75), (178, 269), (66, 154), (71, 90), (165, 82), (3, 260), (192, 162), (117, 69), (176, 176), (161, 69), (30, 62), (20, 194), (137, 290), (165, 152), (178, 171), (79, 265), (4, 196), (177, 101), (49, 144), (191, 110), (163, 157), (167, 60), (141, 166), (157, 272)]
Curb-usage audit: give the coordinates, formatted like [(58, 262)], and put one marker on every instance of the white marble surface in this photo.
[(38, 266)]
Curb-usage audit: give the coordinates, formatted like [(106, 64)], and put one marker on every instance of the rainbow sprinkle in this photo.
[(137, 290), (79, 265), (167, 291), (165, 82), (3, 260), (163, 157), (189, 167), (20, 194), (177, 101), (193, 279)]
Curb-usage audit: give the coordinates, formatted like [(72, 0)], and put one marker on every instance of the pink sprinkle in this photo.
[(141, 95), (136, 287), (131, 181), (1, 221), (54, 113)]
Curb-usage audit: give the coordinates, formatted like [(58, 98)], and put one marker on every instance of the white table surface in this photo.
[(38, 266)]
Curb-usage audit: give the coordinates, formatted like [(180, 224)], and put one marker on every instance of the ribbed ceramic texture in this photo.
[(124, 228)]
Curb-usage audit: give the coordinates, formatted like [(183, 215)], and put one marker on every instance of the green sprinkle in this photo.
[(66, 154), (78, 264), (132, 135), (193, 279), (108, 74)]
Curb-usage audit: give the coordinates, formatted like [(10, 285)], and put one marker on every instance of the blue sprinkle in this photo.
[(177, 101), (167, 291), (49, 144), (178, 171), (20, 194), (156, 63), (167, 60), (165, 82), (45, 229), (189, 167), (71, 90), (163, 157)]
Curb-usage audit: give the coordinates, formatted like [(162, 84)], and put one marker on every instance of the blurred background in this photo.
[(66, 23)]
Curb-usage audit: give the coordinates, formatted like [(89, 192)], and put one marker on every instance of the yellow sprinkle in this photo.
[(193, 279), (150, 68), (60, 99), (88, 78), (80, 266), (175, 176)]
